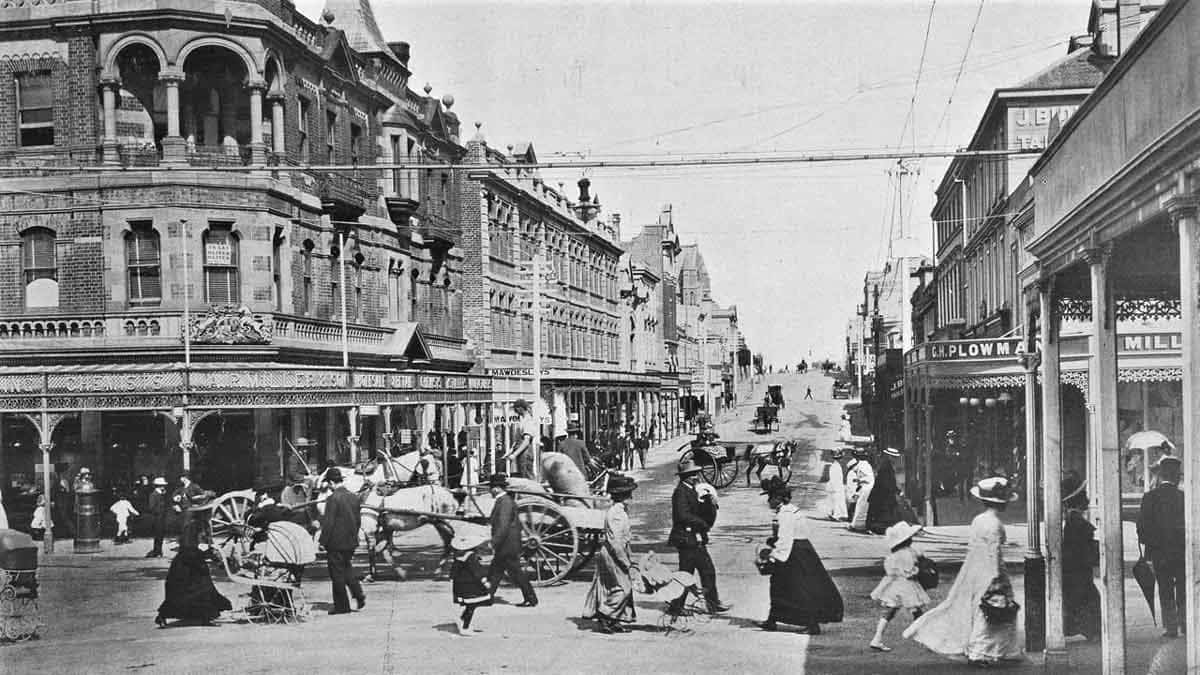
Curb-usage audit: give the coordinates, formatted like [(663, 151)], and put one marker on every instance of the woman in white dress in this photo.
[(834, 506), (958, 626), (860, 480)]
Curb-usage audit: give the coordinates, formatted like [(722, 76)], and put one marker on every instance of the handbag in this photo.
[(764, 562), (927, 573), (998, 605)]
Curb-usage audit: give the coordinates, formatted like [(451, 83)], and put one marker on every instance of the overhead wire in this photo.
[(958, 75)]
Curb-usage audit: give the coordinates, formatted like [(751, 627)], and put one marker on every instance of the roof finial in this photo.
[(328, 16), (428, 88)]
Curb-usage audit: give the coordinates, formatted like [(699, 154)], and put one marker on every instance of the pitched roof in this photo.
[(357, 19), (1082, 68)]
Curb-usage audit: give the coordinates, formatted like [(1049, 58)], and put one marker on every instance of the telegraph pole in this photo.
[(538, 262)]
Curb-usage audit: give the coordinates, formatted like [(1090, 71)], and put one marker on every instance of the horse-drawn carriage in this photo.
[(19, 615), (766, 419), (720, 461)]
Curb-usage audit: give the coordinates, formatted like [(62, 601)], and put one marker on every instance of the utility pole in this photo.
[(538, 260)]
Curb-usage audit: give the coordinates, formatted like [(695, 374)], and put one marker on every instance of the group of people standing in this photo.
[(860, 492)]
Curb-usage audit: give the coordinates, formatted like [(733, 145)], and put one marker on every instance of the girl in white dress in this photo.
[(834, 506), (898, 589), (958, 627)]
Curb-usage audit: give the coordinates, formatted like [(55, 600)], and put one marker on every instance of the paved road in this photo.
[(99, 609)]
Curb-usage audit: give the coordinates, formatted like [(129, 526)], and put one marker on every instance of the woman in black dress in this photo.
[(802, 593), (191, 595), (1080, 553)]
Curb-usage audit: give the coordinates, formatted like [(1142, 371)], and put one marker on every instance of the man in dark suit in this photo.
[(1160, 529), (574, 447), (157, 509), (506, 542), (339, 536), (691, 518)]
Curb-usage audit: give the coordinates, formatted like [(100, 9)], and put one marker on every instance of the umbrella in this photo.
[(1143, 573), (1143, 440)]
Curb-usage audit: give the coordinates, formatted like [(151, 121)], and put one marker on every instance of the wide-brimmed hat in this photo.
[(619, 484), (498, 480), (333, 475), (891, 452), (1168, 462), (899, 533), (995, 490), (687, 468), (467, 537), (160, 481)]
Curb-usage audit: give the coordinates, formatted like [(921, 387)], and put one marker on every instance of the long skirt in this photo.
[(191, 594), (1081, 603), (611, 594), (802, 593)]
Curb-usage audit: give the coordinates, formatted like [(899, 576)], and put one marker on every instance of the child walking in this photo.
[(899, 588), (122, 509), (469, 578)]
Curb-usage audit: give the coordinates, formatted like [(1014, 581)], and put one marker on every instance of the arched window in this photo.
[(221, 283), (143, 265), (39, 263)]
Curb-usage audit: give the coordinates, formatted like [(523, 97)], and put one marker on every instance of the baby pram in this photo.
[(680, 593), (273, 569)]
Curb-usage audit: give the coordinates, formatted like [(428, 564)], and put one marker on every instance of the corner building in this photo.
[(104, 271)]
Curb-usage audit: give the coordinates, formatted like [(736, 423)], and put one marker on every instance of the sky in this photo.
[(788, 244)]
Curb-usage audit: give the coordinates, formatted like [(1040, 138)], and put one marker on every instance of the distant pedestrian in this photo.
[(339, 536), (468, 579), (802, 593), (860, 479), (1160, 529), (1080, 553), (883, 505), (470, 467), (642, 445), (157, 509), (506, 542), (122, 509), (808, 394), (573, 446), (899, 588)]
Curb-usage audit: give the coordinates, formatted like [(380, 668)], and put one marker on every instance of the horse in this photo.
[(760, 455)]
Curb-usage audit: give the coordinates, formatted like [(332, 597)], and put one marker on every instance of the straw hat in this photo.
[(995, 490), (900, 532), (687, 468), (891, 452), (160, 481)]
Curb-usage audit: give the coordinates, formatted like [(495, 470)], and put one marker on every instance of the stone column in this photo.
[(110, 88), (277, 133), (1106, 452), (174, 147), (258, 149), (927, 422), (352, 437), (1035, 563), (1056, 646), (1183, 212)]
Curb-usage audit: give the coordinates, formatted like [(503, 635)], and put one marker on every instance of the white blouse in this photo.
[(792, 526)]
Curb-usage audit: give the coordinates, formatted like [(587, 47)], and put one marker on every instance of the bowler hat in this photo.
[(1168, 462), (333, 475), (498, 480), (686, 468), (619, 484)]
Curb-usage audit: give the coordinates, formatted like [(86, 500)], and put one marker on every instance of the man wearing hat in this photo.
[(506, 542), (528, 431), (156, 508), (574, 447), (860, 479), (1160, 529), (691, 518), (339, 536)]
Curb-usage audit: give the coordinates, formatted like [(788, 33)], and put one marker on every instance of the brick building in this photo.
[(102, 253)]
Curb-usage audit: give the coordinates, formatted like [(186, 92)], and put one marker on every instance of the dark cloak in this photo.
[(191, 594)]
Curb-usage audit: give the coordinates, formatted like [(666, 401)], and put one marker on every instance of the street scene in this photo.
[(320, 350)]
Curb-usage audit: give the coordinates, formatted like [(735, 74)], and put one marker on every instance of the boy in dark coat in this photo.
[(339, 536)]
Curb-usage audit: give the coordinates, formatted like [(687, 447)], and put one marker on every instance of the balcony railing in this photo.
[(300, 329), (88, 328)]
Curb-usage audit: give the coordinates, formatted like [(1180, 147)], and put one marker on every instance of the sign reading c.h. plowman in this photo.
[(1001, 348)]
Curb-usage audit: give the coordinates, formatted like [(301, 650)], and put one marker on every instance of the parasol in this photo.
[(1143, 573), (1143, 440)]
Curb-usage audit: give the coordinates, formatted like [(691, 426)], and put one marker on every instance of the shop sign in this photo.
[(429, 382), (968, 350), (401, 381), (370, 380), (513, 372), (1029, 127), (272, 379), (123, 382), (481, 383), (456, 382), (1151, 342), (20, 384)]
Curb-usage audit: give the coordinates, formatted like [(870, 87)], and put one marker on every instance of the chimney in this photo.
[(401, 50), (616, 226), (1129, 23), (584, 184)]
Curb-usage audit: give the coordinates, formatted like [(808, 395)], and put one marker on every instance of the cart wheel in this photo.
[(550, 543), (720, 473), (229, 526)]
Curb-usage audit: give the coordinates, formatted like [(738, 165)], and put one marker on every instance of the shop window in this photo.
[(35, 109), (39, 263), (143, 266), (221, 281)]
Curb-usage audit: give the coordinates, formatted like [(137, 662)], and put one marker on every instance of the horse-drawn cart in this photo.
[(720, 461), (766, 419)]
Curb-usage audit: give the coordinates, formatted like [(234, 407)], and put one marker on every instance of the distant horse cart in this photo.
[(766, 419)]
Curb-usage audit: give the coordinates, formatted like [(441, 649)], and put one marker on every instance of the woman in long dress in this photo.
[(834, 506), (1081, 600), (883, 507), (610, 599), (802, 593), (191, 595), (958, 627)]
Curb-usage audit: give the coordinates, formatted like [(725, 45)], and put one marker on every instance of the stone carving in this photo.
[(230, 325)]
